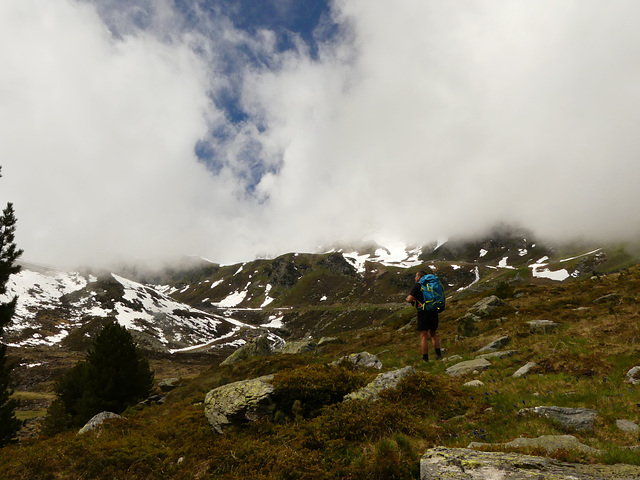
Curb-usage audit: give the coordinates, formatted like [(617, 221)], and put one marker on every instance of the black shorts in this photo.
[(427, 321)]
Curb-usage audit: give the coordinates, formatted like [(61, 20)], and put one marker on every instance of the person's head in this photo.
[(420, 274)]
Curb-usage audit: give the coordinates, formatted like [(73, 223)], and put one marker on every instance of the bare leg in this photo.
[(424, 342)]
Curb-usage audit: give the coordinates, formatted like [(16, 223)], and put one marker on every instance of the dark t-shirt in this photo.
[(427, 320)]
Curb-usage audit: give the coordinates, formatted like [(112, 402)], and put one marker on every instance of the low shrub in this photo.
[(304, 390)]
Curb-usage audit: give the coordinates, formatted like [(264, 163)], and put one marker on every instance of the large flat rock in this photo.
[(442, 463)]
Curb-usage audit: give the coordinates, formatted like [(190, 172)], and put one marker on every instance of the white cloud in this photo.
[(514, 110)]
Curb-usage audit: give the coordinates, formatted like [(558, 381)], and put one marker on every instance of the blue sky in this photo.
[(143, 130)]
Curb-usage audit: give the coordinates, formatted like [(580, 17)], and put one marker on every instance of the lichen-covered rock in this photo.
[(526, 368), (442, 463), (633, 376), (627, 426), (542, 326), (500, 354), (382, 382), (496, 345), (486, 306), (360, 360), (259, 346), (239, 402), (580, 419), (469, 366), (168, 384), (97, 420), (474, 383), (549, 443), (298, 346)]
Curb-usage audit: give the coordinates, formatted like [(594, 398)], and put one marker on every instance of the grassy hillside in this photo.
[(580, 364)]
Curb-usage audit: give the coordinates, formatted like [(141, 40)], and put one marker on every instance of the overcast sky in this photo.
[(147, 129)]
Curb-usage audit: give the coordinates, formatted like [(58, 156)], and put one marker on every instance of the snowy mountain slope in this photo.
[(52, 305), (208, 305)]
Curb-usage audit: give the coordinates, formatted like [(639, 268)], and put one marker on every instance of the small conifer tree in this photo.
[(9, 253), (113, 376)]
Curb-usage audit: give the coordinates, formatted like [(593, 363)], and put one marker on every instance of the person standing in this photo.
[(427, 320)]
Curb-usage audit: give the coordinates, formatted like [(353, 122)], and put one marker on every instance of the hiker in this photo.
[(427, 320)]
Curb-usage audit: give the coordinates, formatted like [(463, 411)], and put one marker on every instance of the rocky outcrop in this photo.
[(97, 420), (542, 326), (487, 306), (462, 368), (382, 382), (627, 426), (298, 346), (549, 443), (633, 376), (522, 371), (259, 346), (239, 402), (360, 360), (579, 419), (500, 354), (495, 345), (168, 384), (464, 464)]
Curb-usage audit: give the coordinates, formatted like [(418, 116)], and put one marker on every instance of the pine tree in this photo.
[(113, 377), (9, 253)]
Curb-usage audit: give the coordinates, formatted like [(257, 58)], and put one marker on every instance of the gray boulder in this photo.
[(579, 419), (500, 354), (524, 370), (549, 443), (360, 360), (259, 346), (168, 384), (496, 345), (97, 420), (487, 306), (464, 464), (298, 346), (627, 426), (239, 402), (462, 368), (633, 376), (474, 383), (542, 326), (382, 382)]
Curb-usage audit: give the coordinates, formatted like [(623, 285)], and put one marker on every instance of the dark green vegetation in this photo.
[(9, 253), (113, 377), (315, 436)]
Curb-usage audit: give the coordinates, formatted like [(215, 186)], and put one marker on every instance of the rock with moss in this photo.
[(259, 346), (298, 346), (360, 360), (240, 402), (542, 326), (463, 368), (382, 382), (548, 443), (499, 354), (465, 464), (633, 376), (97, 420), (496, 344), (579, 419), (487, 306), (522, 371)]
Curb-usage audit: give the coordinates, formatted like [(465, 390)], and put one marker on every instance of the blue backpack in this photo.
[(433, 294)]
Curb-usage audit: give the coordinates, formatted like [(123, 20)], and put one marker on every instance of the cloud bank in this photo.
[(414, 121)]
